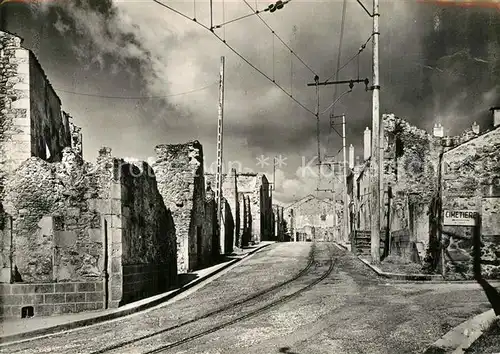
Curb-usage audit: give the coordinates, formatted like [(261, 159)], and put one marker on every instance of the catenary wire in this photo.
[(238, 54), (363, 46), (279, 38), (134, 97)]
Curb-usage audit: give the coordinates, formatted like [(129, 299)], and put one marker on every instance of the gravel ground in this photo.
[(488, 343), (351, 311), (275, 264), (394, 264)]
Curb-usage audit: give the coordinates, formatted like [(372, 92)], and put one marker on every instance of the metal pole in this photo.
[(316, 79), (346, 209), (219, 155), (376, 180)]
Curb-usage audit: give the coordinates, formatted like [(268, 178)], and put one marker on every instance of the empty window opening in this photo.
[(27, 312), (47, 151)]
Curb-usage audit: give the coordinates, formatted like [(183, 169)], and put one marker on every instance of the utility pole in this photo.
[(346, 208), (375, 162), (219, 156)]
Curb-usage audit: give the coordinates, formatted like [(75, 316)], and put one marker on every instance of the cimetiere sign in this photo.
[(459, 218)]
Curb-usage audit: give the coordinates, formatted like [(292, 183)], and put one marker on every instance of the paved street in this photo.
[(347, 311)]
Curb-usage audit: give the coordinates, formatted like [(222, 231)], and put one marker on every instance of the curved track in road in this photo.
[(248, 315), (300, 274)]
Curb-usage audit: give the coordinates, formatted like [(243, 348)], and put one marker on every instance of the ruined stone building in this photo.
[(280, 225), (74, 235), (247, 210), (256, 225), (181, 182), (412, 182), (470, 180), (311, 219)]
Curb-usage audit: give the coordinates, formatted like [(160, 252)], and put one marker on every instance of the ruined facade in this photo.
[(471, 181), (78, 236), (74, 236), (416, 178), (230, 210), (280, 225), (255, 187), (247, 208), (311, 219), (410, 165), (181, 182), (33, 123)]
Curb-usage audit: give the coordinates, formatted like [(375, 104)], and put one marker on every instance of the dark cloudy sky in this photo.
[(438, 64)]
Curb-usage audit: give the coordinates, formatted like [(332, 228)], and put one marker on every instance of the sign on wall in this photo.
[(459, 218)]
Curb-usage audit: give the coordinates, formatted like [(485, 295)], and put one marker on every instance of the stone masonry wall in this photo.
[(15, 127), (471, 175), (230, 194), (32, 123), (181, 182), (55, 235), (149, 254), (249, 185), (50, 299), (49, 130)]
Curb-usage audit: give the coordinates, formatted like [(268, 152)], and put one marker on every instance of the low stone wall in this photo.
[(51, 298), (144, 280)]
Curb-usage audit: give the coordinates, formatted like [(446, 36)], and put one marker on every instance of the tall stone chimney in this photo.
[(351, 157), (438, 130), (367, 143), (496, 116), (475, 128)]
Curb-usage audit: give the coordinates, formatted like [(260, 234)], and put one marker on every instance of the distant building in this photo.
[(311, 219)]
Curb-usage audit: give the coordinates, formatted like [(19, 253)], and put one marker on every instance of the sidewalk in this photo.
[(18, 329)]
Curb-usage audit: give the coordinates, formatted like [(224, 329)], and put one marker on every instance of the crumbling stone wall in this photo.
[(230, 194), (250, 185), (471, 182), (149, 254), (48, 206), (266, 210), (15, 128), (211, 225), (32, 123), (181, 182), (410, 158), (49, 132)]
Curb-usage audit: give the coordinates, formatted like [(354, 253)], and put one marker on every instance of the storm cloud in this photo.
[(438, 64)]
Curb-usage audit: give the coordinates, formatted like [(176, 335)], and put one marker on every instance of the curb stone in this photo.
[(144, 304), (396, 276), (401, 276), (460, 338)]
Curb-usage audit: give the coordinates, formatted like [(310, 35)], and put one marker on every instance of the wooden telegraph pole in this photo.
[(376, 159), (219, 157)]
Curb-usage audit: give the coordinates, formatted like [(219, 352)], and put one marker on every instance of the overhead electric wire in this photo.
[(134, 97), (238, 54), (363, 46), (281, 40)]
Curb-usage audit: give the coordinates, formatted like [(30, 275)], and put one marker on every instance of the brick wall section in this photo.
[(51, 298), (471, 173), (181, 182)]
